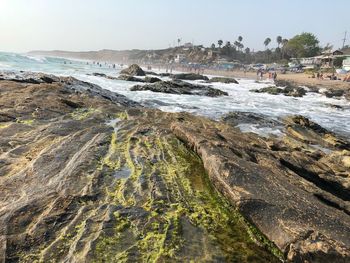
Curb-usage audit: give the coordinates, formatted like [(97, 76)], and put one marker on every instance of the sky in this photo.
[(83, 25)]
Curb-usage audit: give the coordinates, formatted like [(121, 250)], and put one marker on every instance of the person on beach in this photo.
[(274, 76)]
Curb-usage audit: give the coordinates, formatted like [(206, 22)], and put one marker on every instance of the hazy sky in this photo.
[(151, 24)]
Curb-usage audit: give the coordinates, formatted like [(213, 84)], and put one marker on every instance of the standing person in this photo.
[(274, 76)]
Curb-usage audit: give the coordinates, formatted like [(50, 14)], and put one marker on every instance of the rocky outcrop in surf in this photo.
[(133, 70), (180, 87), (188, 76)]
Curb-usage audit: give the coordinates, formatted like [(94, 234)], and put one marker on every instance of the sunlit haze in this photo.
[(112, 24)]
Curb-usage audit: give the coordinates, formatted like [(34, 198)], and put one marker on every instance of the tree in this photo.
[(247, 50), (267, 42), (178, 41), (236, 43), (338, 62), (303, 45), (239, 43), (213, 46), (220, 42), (279, 40)]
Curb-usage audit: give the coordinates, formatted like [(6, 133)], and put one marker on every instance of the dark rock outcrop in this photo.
[(151, 73), (151, 79), (289, 88), (223, 80), (130, 78), (102, 75), (330, 93), (180, 87), (133, 70), (287, 91), (189, 76)]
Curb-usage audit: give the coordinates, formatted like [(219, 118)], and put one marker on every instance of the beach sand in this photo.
[(301, 79)]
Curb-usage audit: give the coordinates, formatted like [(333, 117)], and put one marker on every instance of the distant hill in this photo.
[(101, 55), (195, 54)]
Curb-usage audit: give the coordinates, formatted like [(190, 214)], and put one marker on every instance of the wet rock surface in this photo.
[(188, 76), (180, 87), (223, 80), (88, 176), (129, 78), (287, 91), (133, 70), (293, 189), (102, 75)]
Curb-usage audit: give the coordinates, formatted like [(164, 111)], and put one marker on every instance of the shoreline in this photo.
[(301, 79)]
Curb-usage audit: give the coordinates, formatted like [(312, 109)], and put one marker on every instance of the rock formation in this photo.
[(223, 80), (189, 76), (133, 70), (87, 175), (180, 87)]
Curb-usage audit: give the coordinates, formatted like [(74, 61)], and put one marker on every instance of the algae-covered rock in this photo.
[(89, 176)]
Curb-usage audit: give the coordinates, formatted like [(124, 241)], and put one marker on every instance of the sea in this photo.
[(315, 106)]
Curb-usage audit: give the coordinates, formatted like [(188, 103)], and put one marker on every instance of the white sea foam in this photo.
[(313, 105)]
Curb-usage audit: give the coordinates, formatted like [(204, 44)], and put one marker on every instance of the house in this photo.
[(188, 45), (346, 64), (180, 58)]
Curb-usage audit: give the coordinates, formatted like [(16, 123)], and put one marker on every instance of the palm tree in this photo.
[(267, 42), (236, 43), (279, 40), (284, 43), (178, 41), (213, 46), (220, 42), (239, 43), (241, 46), (247, 50)]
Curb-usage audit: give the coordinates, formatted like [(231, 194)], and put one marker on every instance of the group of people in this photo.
[(272, 75), (320, 76)]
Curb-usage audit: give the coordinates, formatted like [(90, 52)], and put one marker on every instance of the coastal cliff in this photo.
[(89, 176)]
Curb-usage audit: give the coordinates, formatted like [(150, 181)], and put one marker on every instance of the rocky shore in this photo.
[(88, 175)]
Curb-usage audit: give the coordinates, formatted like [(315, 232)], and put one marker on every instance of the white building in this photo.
[(346, 64), (180, 58)]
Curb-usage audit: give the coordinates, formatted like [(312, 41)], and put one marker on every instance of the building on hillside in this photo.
[(325, 60), (188, 45), (179, 58)]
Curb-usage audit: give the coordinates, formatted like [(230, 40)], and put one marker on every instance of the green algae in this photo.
[(166, 211), (82, 113), (4, 125), (181, 216), (26, 122)]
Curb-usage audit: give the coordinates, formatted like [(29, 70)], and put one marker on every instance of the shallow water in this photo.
[(315, 106)]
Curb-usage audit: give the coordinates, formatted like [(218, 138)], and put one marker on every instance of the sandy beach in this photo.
[(302, 79)]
